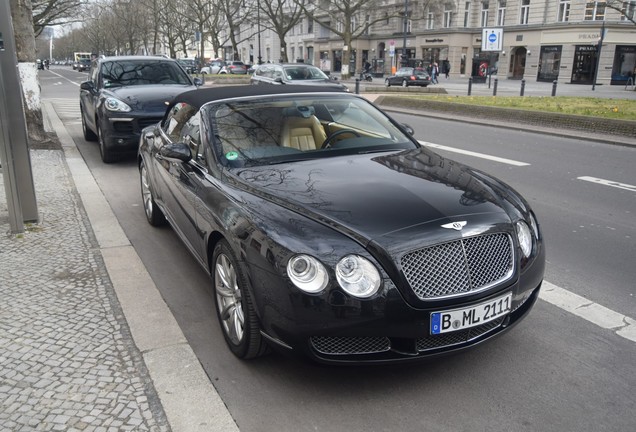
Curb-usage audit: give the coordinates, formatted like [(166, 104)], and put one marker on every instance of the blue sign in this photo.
[(492, 38)]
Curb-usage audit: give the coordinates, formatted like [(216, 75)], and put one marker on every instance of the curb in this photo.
[(190, 401)]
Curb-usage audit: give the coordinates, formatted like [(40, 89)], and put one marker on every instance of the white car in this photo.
[(214, 67)]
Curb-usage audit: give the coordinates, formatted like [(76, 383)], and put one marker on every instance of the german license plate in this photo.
[(459, 319)]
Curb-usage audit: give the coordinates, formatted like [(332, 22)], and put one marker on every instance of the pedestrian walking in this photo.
[(446, 67), (434, 73)]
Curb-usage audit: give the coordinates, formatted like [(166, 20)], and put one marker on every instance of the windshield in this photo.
[(295, 73), (142, 72), (285, 129)]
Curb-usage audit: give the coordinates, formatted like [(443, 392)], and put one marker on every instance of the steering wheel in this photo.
[(331, 137)]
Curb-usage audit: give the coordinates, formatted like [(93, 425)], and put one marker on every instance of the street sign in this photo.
[(492, 39), (391, 48)]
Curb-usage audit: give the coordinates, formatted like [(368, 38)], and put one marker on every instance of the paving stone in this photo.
[(68, 359)]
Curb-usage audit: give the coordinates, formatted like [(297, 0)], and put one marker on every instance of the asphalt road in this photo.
[(553, 372)]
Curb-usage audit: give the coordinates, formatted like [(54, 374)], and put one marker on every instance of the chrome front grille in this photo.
[(460, 267), (332, 345)]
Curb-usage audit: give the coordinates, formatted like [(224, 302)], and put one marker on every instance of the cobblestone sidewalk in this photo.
[(68, 361)]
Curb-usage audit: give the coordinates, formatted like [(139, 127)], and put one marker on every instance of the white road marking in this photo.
[(611, 183), (470, 153), (63, 77), (603, 317)]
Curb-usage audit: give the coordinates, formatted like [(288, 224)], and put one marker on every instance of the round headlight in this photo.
[(114, 104), (357, 276), (307, 273), (525, 238)]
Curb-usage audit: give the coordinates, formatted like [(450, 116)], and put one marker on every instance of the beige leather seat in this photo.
[(302, 133)]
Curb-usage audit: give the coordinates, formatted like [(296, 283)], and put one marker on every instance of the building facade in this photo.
[(543, 40)]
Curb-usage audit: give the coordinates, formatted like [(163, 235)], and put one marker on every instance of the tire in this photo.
[(234, 306), (387, 83), (89, 135), (105, 152), (154, 215), (404, 83)]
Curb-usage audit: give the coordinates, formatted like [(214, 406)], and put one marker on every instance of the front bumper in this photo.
[(121, 134), (404, 337)]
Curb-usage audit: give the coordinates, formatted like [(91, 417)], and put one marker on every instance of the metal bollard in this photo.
[(494, 89), (357, 85), (523, 87), (554, 85), (489, 79), (470, 85)]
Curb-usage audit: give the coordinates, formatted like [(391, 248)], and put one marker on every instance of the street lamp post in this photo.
[(406, 14), (258, 25), (598, 55)]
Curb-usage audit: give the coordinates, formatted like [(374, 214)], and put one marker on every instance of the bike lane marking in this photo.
[(474, 154)]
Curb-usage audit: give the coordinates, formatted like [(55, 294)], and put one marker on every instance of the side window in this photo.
[(173, 124), (190, 134)]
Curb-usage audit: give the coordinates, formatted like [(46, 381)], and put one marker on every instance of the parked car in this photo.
[(234, 67), (40, 64), (409, 76), (125, 94), (188, 64), (330, 231), (294, 73), (214, 67)]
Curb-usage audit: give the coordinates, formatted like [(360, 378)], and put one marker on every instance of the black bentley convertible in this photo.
[(330, 232)]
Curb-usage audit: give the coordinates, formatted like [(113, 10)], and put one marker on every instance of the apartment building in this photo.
[(542, 40)]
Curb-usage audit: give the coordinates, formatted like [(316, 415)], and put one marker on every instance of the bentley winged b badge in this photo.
[(457, 226)]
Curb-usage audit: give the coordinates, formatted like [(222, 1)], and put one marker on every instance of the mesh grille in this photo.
[(459, 267), (350, 345), (458, 337)]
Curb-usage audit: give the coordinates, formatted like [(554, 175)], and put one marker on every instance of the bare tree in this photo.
[(348, 19), (55, 12), (22, 16), (236, 14), (282, 16), (622, 6)]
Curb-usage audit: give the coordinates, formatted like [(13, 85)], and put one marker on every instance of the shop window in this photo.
[(549, 63), (624, 66)]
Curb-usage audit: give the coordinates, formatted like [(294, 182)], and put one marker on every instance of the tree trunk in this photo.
[(22, 15)]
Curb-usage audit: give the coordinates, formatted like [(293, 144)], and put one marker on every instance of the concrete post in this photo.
[(14, 150)]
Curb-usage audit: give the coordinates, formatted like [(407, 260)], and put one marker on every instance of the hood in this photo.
[(371, 197), (148, 98)]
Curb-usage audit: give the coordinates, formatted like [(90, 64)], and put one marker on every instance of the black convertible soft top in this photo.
[(197, 98)]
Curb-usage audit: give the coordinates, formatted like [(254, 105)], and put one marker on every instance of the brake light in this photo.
[(413, 77)]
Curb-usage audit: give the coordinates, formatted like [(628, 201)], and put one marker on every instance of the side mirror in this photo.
[(409, 129), (278, 80), (87, 85), (198, 82), (179, 151)]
